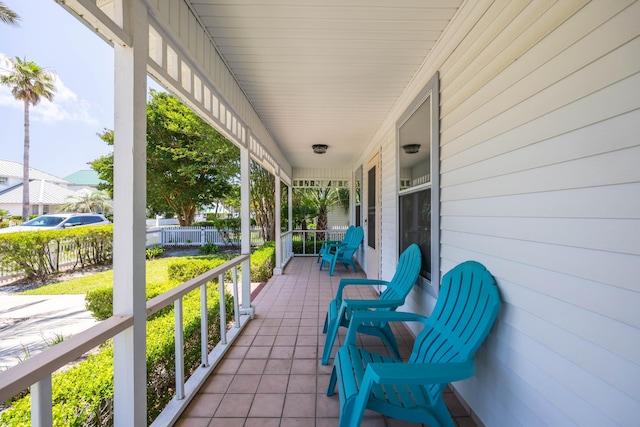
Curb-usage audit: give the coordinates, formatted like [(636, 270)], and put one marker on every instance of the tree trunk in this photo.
[(322, 222), (25, 165)]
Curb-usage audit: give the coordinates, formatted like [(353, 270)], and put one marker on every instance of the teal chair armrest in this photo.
[(375, 303), (350, 282), (362, 317), (419, 373)]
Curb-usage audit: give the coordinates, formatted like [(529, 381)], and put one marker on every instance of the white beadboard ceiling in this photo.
[(324, 71)]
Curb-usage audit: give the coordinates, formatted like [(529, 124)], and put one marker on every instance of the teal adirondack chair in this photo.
[(443, 352), (341, 310), (328, 244), (343, 253)]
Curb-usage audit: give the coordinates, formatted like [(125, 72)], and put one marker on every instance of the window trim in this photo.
[(431, 90)]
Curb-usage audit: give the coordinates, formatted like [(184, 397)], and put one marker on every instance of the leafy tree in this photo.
[(29, 83), (189, 164), (88, 201), (263, 191), (4, 214), (8, 16), (104, 165)]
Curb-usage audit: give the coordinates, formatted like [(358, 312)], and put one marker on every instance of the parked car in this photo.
[(56, 221)]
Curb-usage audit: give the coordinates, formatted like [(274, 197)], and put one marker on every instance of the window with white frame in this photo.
[(418, 137)]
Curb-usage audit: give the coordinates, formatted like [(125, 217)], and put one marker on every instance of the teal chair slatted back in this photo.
[(405, 276), (466, 309)]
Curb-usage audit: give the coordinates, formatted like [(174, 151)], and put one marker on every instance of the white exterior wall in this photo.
[(540, 181)]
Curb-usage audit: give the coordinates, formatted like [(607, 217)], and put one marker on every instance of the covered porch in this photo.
[(530, 141), (272, 376)]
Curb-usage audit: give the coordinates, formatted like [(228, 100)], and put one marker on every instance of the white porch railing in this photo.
[(36, 372), (287, 249), (308, 242)]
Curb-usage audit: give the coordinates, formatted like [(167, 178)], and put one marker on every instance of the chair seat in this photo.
[(396, 400)]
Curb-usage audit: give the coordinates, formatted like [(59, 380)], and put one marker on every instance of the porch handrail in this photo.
[(36, 372), (42, 365)]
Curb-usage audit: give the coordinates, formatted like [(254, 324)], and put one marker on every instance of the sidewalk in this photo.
[(31, 323)]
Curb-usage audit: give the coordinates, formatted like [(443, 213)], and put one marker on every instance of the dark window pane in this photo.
[(415, 226), (371, 209)]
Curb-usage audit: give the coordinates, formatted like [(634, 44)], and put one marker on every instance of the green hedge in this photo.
[(39, 253), (83, 395), (263, 260)]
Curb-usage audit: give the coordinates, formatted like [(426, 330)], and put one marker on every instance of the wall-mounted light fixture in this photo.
[(319, 148), (411, 148)]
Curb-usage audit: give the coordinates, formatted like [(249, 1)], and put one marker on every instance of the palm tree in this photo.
[(88, 201), (320, 200), (8, 16), (29, 83)]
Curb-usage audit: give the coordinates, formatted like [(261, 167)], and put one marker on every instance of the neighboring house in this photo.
[(84, 178), (44, 197), (11, 175), (46, 191), (337, 217)]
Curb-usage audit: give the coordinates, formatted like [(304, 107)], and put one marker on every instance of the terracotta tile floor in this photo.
[(272, 375)]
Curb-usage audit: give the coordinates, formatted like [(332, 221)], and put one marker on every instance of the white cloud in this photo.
[(65, 105)]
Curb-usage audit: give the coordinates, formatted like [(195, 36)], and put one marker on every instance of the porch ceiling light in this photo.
[(319, 148), (411, 148)]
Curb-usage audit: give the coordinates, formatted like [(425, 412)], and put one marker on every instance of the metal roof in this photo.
[(14, 169), (40, 192), (84, 177)]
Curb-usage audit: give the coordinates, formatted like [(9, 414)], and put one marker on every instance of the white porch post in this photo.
[(290, 213), (278, 267), (245, 228), (129, 234)]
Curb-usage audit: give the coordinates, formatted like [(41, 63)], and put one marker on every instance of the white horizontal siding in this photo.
[(540, 181), (389, 207)]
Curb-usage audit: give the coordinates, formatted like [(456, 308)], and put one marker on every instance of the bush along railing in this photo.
[(181, 342), (39, 254)]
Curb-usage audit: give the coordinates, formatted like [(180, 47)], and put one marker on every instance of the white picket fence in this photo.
[(198, 236)]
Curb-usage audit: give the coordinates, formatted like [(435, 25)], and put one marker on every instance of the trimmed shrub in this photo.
[(263, 260), (209, 249), (100, 302), (154, 252), (189, 268)]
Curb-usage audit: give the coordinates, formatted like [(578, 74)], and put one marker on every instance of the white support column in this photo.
[(290, 213), (352, 199), (129, 233), (245, 228), (278, 268)]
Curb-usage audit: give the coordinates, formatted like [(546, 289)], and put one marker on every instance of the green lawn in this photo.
[(156, 272)]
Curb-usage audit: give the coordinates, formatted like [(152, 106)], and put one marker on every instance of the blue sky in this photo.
[(63, 132)]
